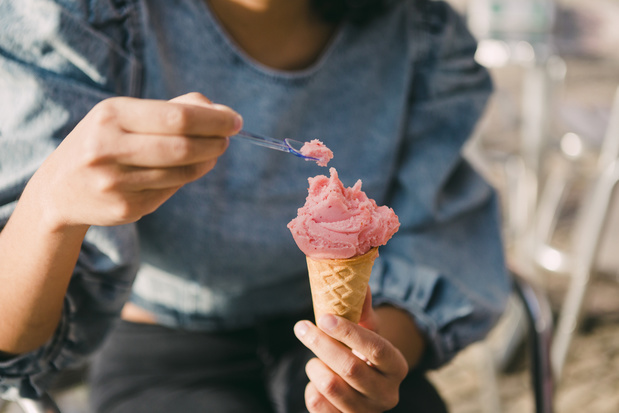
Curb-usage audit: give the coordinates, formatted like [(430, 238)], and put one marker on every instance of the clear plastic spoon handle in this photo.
[(286, 145)]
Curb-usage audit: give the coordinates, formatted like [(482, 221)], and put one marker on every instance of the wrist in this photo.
[(37, 202)]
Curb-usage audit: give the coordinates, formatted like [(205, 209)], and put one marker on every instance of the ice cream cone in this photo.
[(339, 285)]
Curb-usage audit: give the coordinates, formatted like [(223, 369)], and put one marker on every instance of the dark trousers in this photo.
[(148, 368)]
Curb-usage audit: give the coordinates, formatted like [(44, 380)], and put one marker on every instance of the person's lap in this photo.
[(143, 368)]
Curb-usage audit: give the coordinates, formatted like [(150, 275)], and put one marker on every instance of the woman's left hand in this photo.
[(356, 369)]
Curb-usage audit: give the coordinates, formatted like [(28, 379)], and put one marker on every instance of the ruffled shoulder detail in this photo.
[(90, 41)]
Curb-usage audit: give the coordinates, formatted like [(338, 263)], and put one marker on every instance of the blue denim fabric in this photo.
[(395, 100)]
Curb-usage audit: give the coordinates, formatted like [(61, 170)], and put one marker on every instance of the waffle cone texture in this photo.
[(339, 285)]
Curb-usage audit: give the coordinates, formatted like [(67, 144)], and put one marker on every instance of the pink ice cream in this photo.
[(318, 150), (338, 222)]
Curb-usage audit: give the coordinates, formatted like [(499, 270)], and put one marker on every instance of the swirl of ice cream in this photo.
[(338, 222)]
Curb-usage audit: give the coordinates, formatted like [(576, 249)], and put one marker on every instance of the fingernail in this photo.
[(300, 329), (327, 322)]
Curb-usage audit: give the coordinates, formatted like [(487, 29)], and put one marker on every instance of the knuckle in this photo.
[(380, 350), (187, 173), (197, 97), (181, 149), (351, 368), (192, 98), (176, 118), (104, 112), (122, 211), (92, 150), (344, 333), (222, 146), (223, 120), (313, 404), (311, 339), (105, 182), (99, 130), (330, 385), (347, 334), (351, 331), (313, 401)]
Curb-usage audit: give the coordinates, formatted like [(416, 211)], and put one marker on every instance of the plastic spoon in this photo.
[(286, 145)]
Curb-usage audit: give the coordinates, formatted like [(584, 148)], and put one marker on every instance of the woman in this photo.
[(132, 197)]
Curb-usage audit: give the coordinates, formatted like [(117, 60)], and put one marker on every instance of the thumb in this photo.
[(368, 316)]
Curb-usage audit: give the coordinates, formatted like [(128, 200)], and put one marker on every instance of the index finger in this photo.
[(149, 116), (378, 351)]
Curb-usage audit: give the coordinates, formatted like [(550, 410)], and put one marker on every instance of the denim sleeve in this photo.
[(57, 60), (446, 264)]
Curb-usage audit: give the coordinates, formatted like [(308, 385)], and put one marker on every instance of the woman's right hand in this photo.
[(128, 156), (121, 162)]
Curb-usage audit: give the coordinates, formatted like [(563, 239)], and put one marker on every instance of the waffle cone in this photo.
[(339, 285)]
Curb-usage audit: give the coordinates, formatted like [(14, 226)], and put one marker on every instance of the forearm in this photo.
[(37, 257), (399, 328)]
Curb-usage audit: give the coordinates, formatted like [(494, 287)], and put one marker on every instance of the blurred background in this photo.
[(549, 142)]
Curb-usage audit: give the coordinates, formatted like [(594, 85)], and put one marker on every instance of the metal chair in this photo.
[(540, 324), (587, 235), (528, 316)]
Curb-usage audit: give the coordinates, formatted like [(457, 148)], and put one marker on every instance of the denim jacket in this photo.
[(395, 99)]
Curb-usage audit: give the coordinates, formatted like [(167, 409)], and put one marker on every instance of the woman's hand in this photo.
[(128, 156), (356, 369), (122, 161)]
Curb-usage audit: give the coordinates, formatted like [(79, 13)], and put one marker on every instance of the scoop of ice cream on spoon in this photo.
[(317, 149)]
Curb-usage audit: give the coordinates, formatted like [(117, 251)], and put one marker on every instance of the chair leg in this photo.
[(551, 201), (588, 234), (539, 315)]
